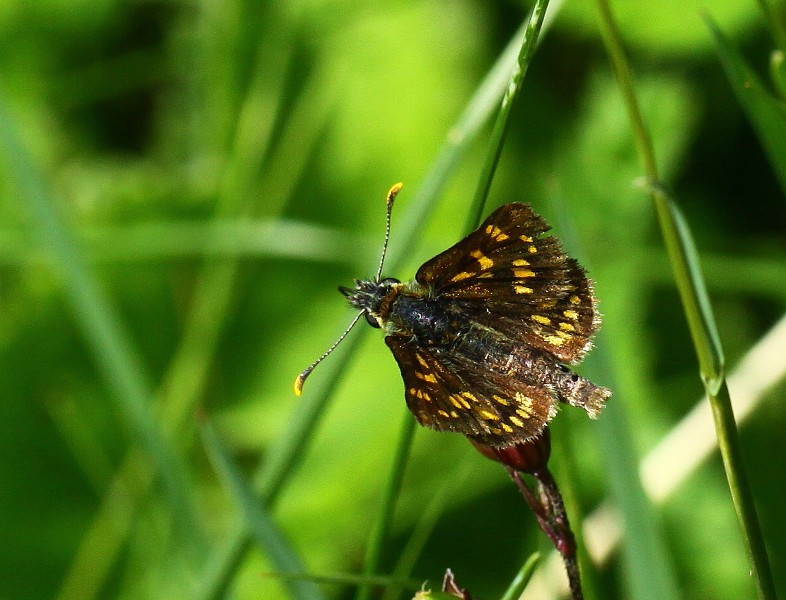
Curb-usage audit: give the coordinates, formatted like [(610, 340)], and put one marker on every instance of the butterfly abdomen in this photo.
[(506, 358)]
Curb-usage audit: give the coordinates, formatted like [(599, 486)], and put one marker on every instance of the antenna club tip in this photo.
[(297, 387), (393, 192)]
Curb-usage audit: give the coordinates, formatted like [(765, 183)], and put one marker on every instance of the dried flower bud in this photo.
[(450, 589), (449, 586)]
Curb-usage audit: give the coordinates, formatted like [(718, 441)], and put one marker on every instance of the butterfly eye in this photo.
[(372, 321), (389, 281)]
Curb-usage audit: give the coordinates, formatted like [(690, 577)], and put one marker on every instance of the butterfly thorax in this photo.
[(429, 321), (408, 310)]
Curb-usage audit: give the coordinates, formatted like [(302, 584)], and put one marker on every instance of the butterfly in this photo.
[(485, 333)]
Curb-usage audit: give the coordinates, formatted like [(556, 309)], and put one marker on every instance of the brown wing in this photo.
[(516, 282), (449, 393)]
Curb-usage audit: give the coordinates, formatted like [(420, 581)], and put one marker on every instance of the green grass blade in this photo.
[(778, 72), (766, 113), (347, 579), (423, 529), (650, 572), (742, 496), (222, 239), (281, 461), (645, 553), (679, 455), (701, 322), (263, 528), (284, 456), (693, 291), (102, 329), (185, 379), (498, 133), (387, 507), (520, 581), (775, 23), (478, 110)]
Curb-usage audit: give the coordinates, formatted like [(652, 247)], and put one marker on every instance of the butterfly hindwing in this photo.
[(447, 392), (511, 279)]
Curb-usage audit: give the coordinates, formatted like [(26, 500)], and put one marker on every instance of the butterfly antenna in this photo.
[(392, 193), (300, 379)]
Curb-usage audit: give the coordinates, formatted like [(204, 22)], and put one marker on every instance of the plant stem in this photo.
[(742, 497), (775, 24), (387, 508), (503, 117), (552, 517), (701, 322), (568, 547)]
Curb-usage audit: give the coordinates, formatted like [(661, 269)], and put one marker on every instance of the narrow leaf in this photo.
[(263, 528), (766, 113)]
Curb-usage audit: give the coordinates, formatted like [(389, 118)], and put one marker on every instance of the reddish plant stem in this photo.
[(552, 517)]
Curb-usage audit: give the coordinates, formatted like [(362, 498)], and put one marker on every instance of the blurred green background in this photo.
[(182, 187)]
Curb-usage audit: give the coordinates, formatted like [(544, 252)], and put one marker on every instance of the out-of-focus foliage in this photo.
[(219, 167)]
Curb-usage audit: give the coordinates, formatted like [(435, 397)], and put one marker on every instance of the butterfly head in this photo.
[(373, 298)]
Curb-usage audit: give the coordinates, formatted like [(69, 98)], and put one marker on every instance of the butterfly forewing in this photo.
[(447, 392), (518, 283), (506, 226)]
